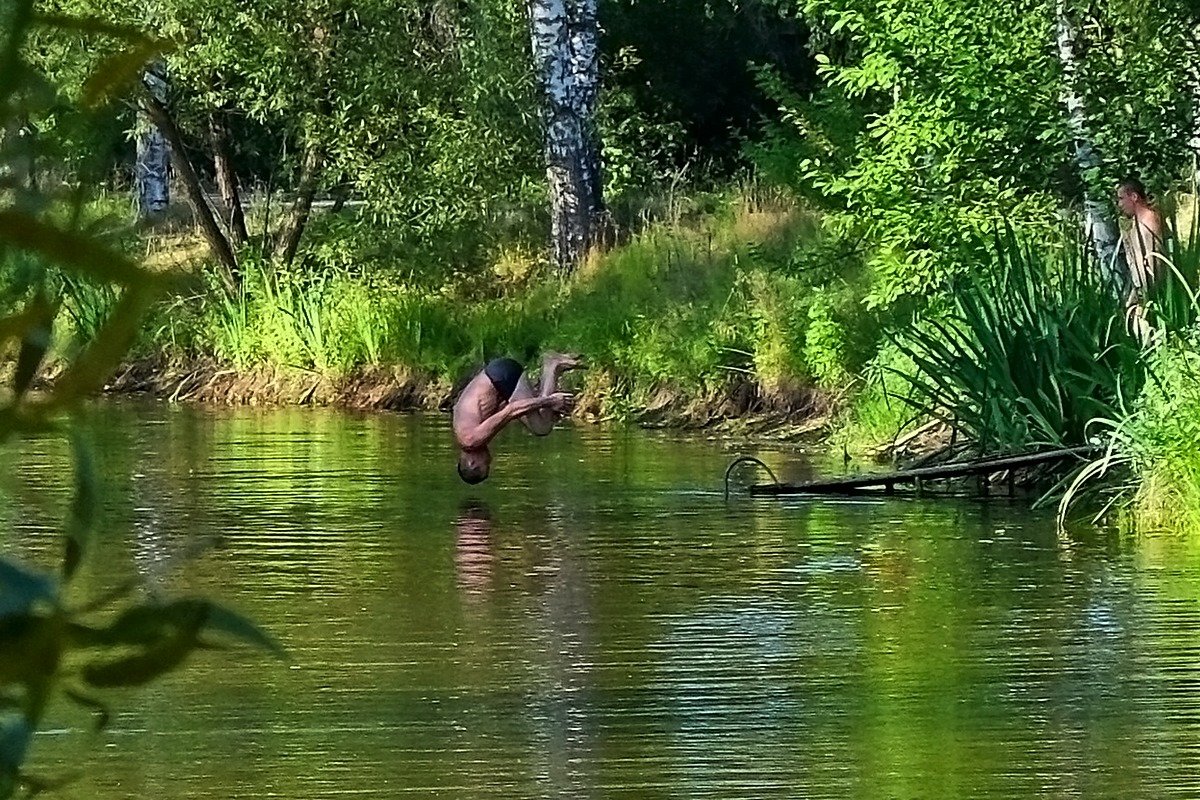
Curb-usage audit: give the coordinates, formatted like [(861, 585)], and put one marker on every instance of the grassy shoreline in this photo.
[(728, 315), (733, 411), (688, 322)]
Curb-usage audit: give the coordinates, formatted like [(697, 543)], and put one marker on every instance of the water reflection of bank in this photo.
[(597, 622)]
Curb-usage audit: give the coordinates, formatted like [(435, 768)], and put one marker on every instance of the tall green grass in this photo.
[(1032, 349), (685, 306), (1151, 467), (1173, 303), (880, 409), (1161, 439)]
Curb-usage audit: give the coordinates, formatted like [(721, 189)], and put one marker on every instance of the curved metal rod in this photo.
[(743, 460)]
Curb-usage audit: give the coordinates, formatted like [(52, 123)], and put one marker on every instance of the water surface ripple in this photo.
[(598, 622)]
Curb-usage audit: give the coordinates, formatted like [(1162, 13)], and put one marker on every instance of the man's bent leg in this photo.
[(553, 366), (539, 422)]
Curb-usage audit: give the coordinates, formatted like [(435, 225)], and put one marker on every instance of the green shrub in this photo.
[(1162, 439)]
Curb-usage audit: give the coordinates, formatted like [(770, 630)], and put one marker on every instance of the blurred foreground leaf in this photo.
[(21, 589), (222, 620), (68, 249), (87, 374), (165, 635), (119, 71), (95, 25), (15, 734), (83, 507), (35, 342), (91, 704)]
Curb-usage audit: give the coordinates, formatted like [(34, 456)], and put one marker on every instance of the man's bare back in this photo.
[(1143, 244), (495, 397)]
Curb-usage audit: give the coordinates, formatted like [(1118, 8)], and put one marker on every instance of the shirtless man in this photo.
[(1143, 243), (495, 397), (1144, 239)]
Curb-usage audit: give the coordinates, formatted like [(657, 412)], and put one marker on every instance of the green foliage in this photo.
[(50, 644), (924, 137), (426, 112), (1161, 438), (1139, 61), (1032, 350), (642, 149), (939, 120)]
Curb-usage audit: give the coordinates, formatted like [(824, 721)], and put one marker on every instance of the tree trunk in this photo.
[(227, 185), (1099, 226), (18, 143), (217, 242), (565, 38), (1194, 142), (324, 36), (297, 217), (152, 165)]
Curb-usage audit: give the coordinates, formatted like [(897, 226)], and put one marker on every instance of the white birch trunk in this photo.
[(1194, 142), (565, 43), (152, 166), (1194, 80), (1098, 224)]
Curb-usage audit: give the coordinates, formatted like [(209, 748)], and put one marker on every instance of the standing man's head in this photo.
[(1131, 195), (474, 465)]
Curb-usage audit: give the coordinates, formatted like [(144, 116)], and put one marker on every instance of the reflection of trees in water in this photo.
[(161, 545), (562, 730)]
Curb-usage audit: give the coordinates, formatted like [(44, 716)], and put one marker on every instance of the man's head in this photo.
[(1131, 195), (474, 465)]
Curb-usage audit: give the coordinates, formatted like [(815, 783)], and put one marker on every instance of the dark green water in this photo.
[(599, 623)]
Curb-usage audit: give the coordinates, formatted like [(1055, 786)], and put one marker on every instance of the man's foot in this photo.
[(561, 362)]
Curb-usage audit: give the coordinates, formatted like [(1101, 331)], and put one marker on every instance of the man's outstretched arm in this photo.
[(479, 435)]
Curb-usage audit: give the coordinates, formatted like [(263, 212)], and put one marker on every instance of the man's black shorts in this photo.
[(504, 374)]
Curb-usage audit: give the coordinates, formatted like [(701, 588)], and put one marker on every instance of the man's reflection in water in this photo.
[(473, 557), (161, 550), (530, 617)]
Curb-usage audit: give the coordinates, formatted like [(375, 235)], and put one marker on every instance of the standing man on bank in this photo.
[(1143, 246)]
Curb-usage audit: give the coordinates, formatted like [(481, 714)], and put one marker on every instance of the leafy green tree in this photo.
[(424, 112), (939, 119)]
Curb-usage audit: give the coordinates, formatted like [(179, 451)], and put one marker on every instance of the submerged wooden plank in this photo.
[(889, 480)]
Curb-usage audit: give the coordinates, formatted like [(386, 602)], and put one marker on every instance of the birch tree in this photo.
[(1098, 223), (565, 44), (152, 163)]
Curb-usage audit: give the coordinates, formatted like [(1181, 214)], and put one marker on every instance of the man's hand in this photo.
[(560, 402)]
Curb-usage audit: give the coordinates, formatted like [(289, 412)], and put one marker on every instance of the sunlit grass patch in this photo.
[(686, 307)]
